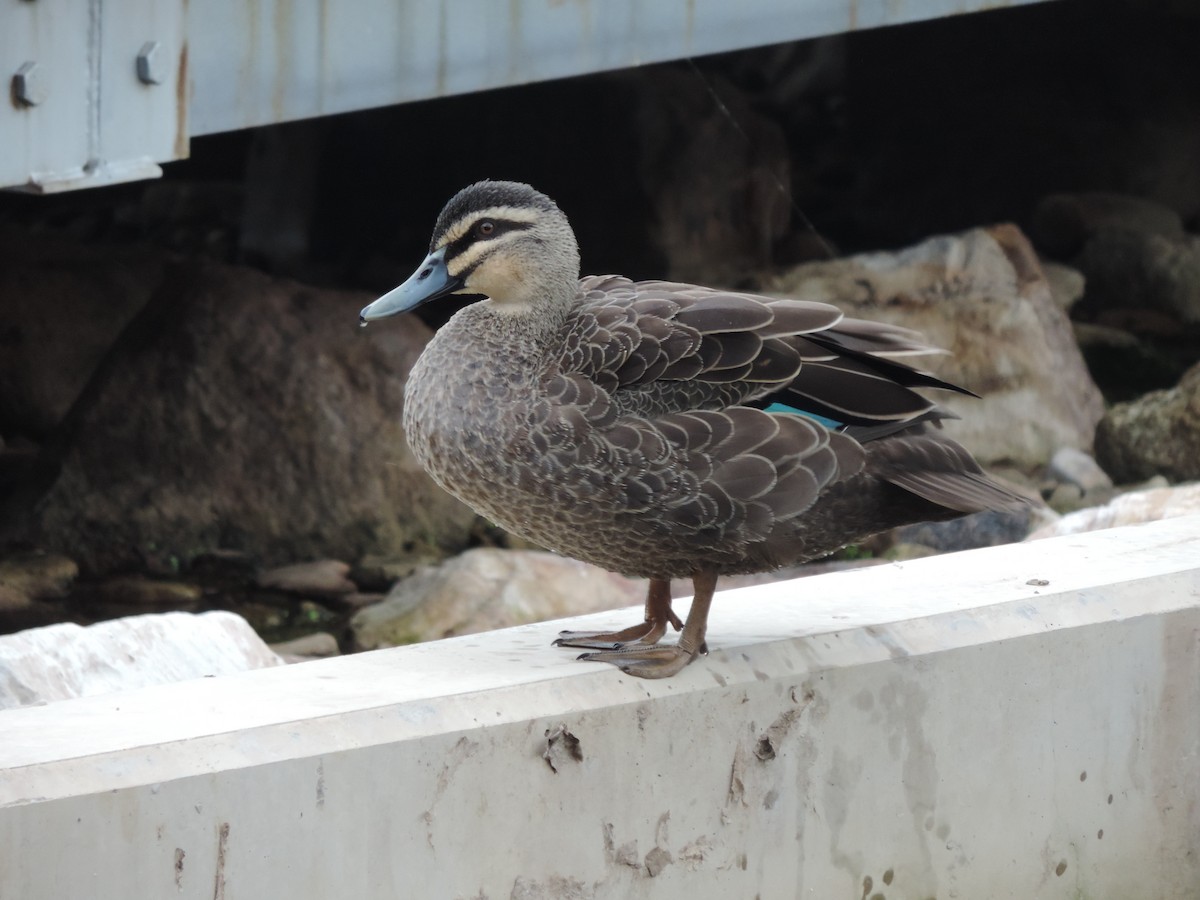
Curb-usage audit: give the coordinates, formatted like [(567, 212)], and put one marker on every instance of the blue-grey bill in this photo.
[(430, 281)]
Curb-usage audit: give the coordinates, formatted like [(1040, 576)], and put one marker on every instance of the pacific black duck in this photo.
[(663, 430)]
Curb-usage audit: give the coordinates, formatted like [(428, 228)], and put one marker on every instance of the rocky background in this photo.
[(190, 420)]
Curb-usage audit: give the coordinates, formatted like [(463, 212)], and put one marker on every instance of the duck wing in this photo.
[(659, 347), (663, 397)]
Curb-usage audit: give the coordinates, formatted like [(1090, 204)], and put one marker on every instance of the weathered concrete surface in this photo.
[(1014, 722)]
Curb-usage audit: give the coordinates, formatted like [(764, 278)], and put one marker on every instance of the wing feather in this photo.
[(658, 379)]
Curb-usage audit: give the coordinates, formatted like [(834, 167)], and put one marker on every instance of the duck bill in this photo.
[(431, 281)]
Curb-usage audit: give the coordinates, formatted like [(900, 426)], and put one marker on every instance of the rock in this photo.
[(1066, 497), (989, 528), (1078, 468), (1067, 285), (59, 662), (1150, 484), (1064, 223), (321, 579), (1127, 268), (378, 573), (318, 645), (1158, 434), (37, 576), (1090, 335), (1124, 365), (137, 591), (12, 600), (982, 296), (357, 600), (63, 304), (1128, 509), (273, 429), (487, 588)]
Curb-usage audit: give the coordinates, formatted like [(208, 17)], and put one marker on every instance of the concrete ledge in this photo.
[(1021, 722)]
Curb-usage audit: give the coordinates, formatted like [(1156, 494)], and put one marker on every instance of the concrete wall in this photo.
[(1017, 722)]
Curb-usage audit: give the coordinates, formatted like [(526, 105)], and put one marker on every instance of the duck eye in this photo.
[(485, 228)]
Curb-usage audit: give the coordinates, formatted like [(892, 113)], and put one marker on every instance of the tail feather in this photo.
[(940, 470), (965, 492)]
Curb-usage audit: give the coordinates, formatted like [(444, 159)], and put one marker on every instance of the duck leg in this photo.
[(663, 662), (658, 615)]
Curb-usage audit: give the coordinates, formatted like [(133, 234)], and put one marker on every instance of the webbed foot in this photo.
[(645, 634), (647, 662), (642, 658)]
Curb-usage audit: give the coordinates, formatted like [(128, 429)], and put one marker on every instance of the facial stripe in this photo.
[(466, 249), (461, 260), (498, 214)]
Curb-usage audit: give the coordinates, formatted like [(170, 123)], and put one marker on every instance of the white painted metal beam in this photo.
[(275, 60), (104, 90), (1021, 721), (104, 93)]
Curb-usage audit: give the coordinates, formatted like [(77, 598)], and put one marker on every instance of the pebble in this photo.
[(134, 589), (322, 578), (1072, 466), (319, 645)]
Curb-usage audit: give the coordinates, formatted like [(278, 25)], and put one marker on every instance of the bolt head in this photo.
[(151, 63), (29, 84)]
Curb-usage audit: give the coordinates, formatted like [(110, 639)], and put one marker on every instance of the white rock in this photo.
[(1128, 509), (59, 662), (485, 589)]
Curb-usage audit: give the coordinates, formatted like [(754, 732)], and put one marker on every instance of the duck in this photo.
[(664, 430)]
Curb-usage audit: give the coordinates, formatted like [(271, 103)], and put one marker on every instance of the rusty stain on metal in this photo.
[(182, 146), (514, 41), (248, 72), (282, 70), (328, 74), (443, 53)]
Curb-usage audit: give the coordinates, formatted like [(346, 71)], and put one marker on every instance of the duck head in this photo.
[(501, 239)]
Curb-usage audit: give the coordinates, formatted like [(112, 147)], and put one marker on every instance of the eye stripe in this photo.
[(461, 261), (463, 226), (468, 237)]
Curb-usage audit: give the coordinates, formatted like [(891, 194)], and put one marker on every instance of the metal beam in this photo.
[(97, 91), (103, 90)]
